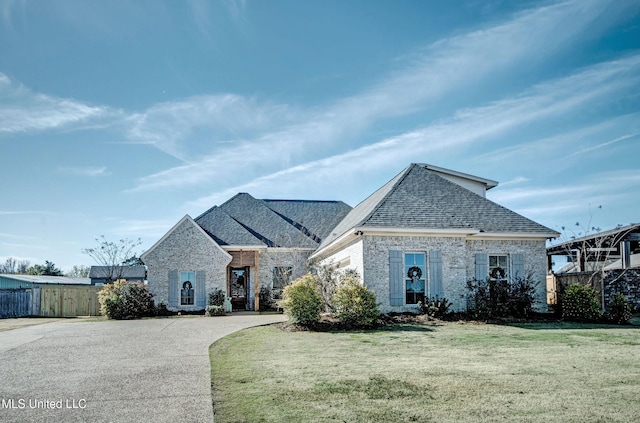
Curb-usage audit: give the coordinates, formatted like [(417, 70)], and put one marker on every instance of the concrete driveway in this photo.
[(154, 370)]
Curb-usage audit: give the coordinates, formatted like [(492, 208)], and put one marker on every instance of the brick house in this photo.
[(238, 247), (423, 234)]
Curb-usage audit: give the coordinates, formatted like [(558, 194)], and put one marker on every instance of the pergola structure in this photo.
[(594, 252)]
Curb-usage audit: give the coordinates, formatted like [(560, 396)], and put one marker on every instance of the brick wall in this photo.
[(186, 248)]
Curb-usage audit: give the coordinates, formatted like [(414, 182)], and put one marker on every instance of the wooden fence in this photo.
[(15, 303), (69, 301)]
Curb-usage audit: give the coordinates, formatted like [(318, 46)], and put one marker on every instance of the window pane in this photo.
[(415, 277)]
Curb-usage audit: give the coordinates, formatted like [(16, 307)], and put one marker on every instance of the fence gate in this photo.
[(69, 301)]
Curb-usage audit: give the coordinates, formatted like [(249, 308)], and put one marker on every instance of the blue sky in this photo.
[(117, 118)]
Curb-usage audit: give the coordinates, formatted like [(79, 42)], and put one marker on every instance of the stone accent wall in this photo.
[(625, 281), (186, 248)]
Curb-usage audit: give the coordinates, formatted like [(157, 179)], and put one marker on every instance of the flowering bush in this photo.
[(355, 305), (121, 300), (580, 304), (302, 301)]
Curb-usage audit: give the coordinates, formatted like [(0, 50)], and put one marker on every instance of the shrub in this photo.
[(214, 310), (301, 301), (492, 298), (580, 304), (217, 298), (620, 310), (355, 305), (435, 307), (121, 300), (265, 298)]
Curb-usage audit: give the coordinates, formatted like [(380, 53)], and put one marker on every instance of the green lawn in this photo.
[(444, 372)]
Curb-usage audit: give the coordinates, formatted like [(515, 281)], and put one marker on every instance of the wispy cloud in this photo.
[(468, 127), (440, 69), (85, 171), (23, 212), (22, 110)]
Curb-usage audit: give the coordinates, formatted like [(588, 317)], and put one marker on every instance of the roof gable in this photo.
[(421, 198), (185, 220)]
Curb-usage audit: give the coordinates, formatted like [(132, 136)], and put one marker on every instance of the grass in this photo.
[(438, 372)]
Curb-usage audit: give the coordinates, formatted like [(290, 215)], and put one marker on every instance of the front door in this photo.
[(239, 287)]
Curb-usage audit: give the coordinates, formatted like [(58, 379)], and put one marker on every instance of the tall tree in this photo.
[(9, 265), (80, 271), (113, 256), (48, 269)]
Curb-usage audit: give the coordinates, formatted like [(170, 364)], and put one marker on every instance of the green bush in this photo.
[(620, 310), (580, 304), (355, 305), (121, 301), (217, 298), (214, 310), (488, 298), (435, 307), (302, 301), (265, 298)]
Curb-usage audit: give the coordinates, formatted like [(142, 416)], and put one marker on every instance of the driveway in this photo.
[(154, 370)]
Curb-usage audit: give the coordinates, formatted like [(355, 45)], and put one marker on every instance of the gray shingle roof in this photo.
[(126, 272), (420, 198), (244, 220)]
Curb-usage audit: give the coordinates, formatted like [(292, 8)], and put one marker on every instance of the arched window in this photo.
[(186, 294)]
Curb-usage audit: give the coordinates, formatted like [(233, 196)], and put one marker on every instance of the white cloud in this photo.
[(23, 111), (271, 144)]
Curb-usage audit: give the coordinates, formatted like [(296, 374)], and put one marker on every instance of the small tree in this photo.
[(114, 256), (302, 301), (355, 304)]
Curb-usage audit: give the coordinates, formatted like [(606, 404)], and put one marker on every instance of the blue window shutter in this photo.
[(173, 288), (396, 288), (517, 266), (435, 274), (482, 266), (201, 295)]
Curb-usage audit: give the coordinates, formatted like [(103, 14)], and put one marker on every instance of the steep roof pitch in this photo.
[(420, 198), (316, 218), (225, 230), (245, 220)]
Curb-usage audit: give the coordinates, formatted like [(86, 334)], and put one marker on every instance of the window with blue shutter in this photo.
[(435, 274), (396, 288), (482, 266), (173, 288), (201, 291), (517, 266)]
